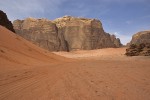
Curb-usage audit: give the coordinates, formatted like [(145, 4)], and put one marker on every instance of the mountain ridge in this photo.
[(66, 33)]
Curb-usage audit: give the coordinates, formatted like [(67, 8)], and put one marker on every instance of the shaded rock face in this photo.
[(4, 21), (141, 37), (41, 32), (142, 49), (84, 34), (66, 33), (116, 41)]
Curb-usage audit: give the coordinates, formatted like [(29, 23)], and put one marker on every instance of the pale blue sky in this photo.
[(120, 17)]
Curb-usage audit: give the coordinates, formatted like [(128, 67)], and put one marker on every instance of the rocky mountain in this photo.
[(66, 33), (141, 37), (83, 33), (41, 32), (4, 21)]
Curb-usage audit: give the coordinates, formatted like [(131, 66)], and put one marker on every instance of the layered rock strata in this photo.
[(41, 32), (66, 33)]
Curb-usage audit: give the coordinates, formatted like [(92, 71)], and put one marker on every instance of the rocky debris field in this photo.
[(142, 49)]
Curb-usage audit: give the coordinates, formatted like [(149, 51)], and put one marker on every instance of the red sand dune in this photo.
[(15, 50), (28, 72)]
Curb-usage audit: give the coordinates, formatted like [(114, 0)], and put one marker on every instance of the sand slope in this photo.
[(15, 50), (30, 73), (99, 53)]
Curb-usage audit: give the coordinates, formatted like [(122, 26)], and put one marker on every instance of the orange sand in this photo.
[(28, 72)]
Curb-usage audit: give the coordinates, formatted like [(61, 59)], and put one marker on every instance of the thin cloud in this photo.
[(124, 38), (146, 16), (25, 8), (116, 15), (129, 22), (123, 1)]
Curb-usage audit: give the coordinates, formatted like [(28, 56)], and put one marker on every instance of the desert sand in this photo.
[(28, 72)]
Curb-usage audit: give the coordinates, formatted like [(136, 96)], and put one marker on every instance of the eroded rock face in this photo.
[(142, 49), (116, 41), (139, 45), (41, 32), (66, 33), (4, 21), (141, 37), (83, 33)]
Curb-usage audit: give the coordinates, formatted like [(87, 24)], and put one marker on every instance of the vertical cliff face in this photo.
[(66, 33), (4, 21), (41, 32), (77, 32), (83, 33)]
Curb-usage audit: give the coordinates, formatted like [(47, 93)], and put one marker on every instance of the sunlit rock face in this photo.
[(66, 33), (84, 34), (141, 37), (41, 32)]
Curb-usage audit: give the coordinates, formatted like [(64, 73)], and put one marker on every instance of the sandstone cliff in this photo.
[(41, 32), (66, 33), (139, 45), (141, 37), (83, 33), (116, 41), (4, 21)]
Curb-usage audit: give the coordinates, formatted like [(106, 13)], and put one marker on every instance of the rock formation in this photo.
[(4, 21), (142, 49), (139, 45), (41, 32), (66, 33), (141, 37), (116, 41), (83, 33)]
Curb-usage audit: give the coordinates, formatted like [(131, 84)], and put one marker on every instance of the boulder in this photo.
[(4, 21)]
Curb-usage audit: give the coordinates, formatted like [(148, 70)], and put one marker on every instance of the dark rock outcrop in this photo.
[(66, 33), (41, 32), (4, 21), (142, 49)]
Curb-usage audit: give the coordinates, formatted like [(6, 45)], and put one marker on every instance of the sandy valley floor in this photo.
[(30, 73)]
